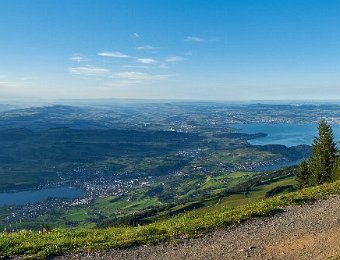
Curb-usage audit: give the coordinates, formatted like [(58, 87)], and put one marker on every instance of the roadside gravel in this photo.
[(299, 232)]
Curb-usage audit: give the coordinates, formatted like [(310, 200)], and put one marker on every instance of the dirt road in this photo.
[(300, 232)]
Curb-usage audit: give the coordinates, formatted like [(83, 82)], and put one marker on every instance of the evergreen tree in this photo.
[(323, 155), (323, 164), (336, 168), (303, 175)]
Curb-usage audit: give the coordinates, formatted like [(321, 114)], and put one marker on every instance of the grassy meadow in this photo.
[(188, 225)]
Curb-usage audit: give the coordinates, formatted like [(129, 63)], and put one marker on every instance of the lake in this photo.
[(277, 166), (284, 133), (24, 197)]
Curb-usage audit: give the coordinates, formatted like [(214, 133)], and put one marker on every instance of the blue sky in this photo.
[(174, 49)]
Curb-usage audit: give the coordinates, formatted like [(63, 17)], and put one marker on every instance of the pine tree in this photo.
[(336, 169), (323, 165), (303, 175), (323, 155)]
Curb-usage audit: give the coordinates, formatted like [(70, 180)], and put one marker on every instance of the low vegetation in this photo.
[(144, 205), (192, 224), (201, 197)]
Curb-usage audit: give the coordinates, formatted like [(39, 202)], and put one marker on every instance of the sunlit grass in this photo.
[(192, 224)]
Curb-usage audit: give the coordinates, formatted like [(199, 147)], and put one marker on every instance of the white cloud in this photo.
[(147, 48), (28, 78), (122, 83), (200, 39), (78, 58), (193, 39), (136, 66), (174, 59), (89, 71), (147, 61), (6, 82), (140, 76), (134, 35), (128, 78), (115, 54), (13, 83)]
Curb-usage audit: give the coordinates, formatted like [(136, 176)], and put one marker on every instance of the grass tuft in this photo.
[(189, 225)]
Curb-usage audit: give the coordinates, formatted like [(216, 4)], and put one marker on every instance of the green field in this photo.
[(186, 162), (32, 158), (185, 168), (146, 204), (192, 224)]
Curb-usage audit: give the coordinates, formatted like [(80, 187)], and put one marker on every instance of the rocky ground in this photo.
[(300, 232)]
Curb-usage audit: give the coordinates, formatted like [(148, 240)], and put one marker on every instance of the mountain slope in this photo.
[(193, 224), (299, 232)]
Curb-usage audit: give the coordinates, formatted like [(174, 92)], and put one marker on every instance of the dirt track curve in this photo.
[(300, 232)]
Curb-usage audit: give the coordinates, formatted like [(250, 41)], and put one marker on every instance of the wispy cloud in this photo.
[(140, 76), (89, 71), (28, 78), (149, 61), (78, 58), (193, 39), (136, 66), (175, 59), (147, 48), (5, 81), (115, 54), (200, 39), (20, 83), (134, 35), (129, 78), (117, 84)]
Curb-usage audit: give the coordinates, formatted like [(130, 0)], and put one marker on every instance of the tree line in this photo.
[(323, 165)]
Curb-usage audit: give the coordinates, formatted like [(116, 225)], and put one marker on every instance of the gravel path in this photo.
[(300, 232)]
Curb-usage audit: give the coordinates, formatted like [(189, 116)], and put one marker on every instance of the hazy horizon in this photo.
[(20, 102)]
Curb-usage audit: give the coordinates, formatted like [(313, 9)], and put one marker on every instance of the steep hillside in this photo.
[(189, 225), (299, 232)]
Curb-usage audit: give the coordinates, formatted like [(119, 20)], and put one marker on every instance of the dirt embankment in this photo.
[(300, 232)]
